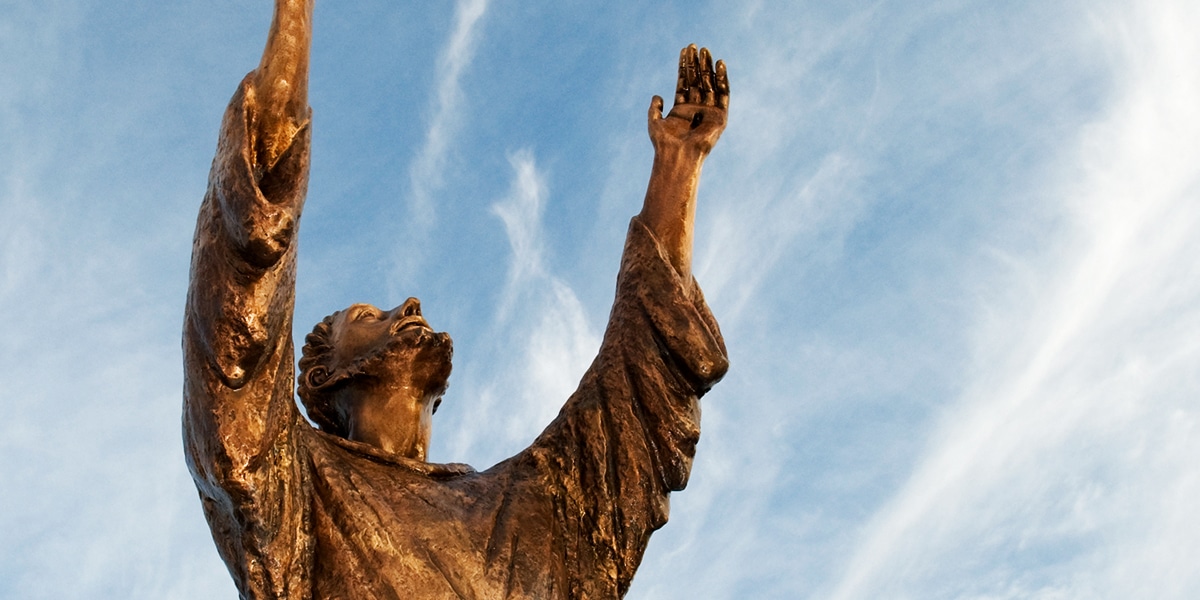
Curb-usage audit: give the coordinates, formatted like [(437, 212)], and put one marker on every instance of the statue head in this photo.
[(376, 376)]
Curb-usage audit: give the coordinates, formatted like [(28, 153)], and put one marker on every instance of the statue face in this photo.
[(397, 345)]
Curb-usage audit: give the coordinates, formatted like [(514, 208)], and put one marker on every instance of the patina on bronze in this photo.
[(351, 509)]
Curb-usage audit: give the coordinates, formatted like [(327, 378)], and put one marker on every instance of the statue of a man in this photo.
[(351, 509)]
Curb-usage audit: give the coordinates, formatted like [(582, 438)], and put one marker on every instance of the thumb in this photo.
[(655, 113)]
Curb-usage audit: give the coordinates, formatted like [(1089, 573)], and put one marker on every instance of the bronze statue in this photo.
[(351, 509)]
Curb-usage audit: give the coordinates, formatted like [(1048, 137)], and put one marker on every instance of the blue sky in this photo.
[(951, 245)]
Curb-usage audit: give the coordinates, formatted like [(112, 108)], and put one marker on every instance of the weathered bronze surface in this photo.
[(351, 509)]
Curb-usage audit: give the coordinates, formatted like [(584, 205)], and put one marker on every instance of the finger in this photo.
[(656, 108), (682, 86), (722, 85), (706, 77), (693, 57)]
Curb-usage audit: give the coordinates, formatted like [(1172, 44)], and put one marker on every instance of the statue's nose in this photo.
[(410, 308)]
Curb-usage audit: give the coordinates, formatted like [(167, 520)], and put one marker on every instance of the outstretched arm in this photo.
[(625, 439), (280, 82), (239, 416), (682, 140), (238, 359)]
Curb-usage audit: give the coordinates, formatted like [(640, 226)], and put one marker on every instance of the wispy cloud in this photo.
[(1064, 469), (541, 338), (521, 213), (768, 192), (427, 172)]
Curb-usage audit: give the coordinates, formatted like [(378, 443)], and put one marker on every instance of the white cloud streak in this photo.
[(762, 201), (1067, 469), (427, 172), (542, 339)]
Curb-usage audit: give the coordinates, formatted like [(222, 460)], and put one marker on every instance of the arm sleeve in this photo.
[(625, 439), (239, 416)]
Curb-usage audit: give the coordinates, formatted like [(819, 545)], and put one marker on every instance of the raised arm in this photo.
[(239, 416), (682, 140), (238, 360), (625, 439)]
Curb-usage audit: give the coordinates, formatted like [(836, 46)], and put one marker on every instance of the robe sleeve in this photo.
[(625, 439), (239, 416)]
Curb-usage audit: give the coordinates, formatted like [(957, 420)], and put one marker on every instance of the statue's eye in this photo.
[(363, 315)]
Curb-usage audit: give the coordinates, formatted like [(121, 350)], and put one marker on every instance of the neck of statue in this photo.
[(393, 416)]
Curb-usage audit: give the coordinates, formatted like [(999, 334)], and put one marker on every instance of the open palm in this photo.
[(701, 105)]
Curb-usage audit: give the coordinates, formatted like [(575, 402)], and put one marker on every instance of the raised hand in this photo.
[(696, 121), (682, 140)]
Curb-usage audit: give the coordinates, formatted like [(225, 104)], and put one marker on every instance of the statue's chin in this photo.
[(431, 371), (436, 352), (423, 355)]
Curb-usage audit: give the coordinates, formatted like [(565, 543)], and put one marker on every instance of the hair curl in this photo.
[(316, 382)]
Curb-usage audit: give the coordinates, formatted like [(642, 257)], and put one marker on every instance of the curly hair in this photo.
[(316, 383)]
